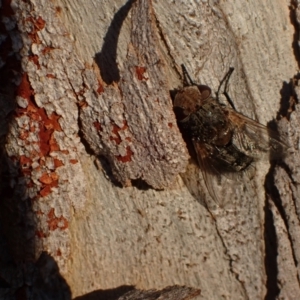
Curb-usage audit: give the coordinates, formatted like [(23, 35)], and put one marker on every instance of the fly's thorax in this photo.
[(209, 124)]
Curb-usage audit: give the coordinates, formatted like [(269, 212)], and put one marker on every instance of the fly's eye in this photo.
[(205, 91)]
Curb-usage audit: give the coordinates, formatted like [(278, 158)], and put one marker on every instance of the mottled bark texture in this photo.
[(97, 190)]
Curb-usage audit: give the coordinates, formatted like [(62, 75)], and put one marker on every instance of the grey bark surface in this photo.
[(95, 171)]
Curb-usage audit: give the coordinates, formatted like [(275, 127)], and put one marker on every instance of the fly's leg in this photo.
[(225, 81)]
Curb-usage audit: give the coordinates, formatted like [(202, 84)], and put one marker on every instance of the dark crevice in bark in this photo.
[(288, 98), (270, 232)]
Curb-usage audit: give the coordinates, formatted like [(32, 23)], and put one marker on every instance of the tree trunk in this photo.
[(96, 177)]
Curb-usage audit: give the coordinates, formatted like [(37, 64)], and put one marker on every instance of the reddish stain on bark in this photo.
[(35, 60), (100, 89), (97, 125), (48, 178), (170, 125), (25, 161), (24, 89), (58, 163), (58, 9), (140, 73), (73, 161), (45, 191), (116, 130), (127, 157), (46, 50), (40, 23), (47, 125), (50, 76), (52, 122), (53, 144), (23, 134), (83, 104), (55, 222), (40, 234)]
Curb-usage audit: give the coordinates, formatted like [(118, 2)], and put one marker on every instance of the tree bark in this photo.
[(95, 172)]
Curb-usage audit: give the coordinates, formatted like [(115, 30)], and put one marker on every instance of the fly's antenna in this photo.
[(187, 80), (225, 81)]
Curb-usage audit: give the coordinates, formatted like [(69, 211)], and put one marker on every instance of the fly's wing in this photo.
[(220, 181), (255, 139), (211, 176)]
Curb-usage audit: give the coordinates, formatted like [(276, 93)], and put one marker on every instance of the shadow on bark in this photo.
[(106, 59), (287, 106), (21, 277), (295, 43)]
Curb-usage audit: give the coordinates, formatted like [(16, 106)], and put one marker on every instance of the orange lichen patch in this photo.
[(64, 151), (55, 222), (73, 161), (58, 163), (50, 76), (24, 89), (35, 60), (100, 88), (140, 73), (127, 157), (97, 125), (40, 234), (116, 130)]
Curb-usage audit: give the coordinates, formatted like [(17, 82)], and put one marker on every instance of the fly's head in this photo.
[(189, 99)]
